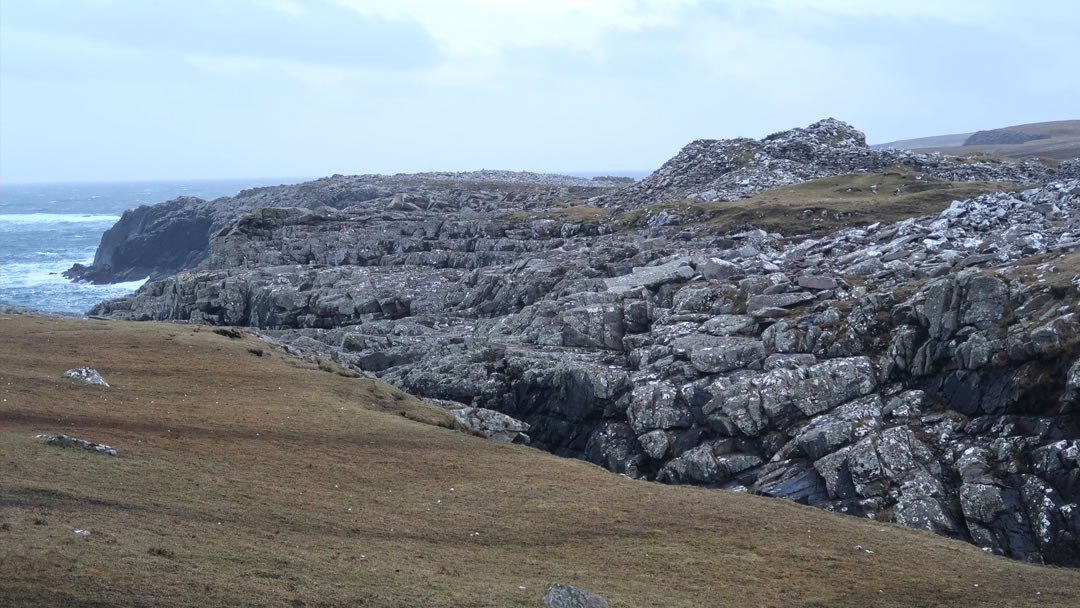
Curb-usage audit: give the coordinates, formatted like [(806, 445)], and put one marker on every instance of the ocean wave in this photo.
[(21, 275), (24, 219)]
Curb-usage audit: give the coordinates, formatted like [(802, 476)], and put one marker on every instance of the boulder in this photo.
[(86, 374), (560, 595), (72, 442), (816, 282), (651, 277), (755, 305), (492, 424)]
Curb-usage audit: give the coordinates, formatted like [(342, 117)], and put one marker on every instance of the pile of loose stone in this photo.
[(730, 169)]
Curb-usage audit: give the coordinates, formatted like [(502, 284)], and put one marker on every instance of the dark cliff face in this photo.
[(150, 241)]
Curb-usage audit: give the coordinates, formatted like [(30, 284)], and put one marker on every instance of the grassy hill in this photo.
[(1061, 141), (248, 479), (936, 141), (824, 205)]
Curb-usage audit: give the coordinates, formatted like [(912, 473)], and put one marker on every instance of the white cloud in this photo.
[(949, 11), (486, 27), (291, 8), (307, 73)]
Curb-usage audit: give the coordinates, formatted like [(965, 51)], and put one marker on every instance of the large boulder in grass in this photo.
[(565, 596), (86, 374)]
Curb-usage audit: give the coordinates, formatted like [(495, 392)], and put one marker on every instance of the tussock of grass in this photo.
[(250, 481)]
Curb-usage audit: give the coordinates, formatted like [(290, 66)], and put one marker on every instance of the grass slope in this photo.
[(263, 481), (1063, 143), (824, 205), (955, 139)]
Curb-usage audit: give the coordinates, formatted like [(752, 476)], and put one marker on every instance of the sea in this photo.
[(45, 228)]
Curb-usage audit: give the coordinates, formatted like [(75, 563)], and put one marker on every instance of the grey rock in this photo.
[(86, 374), (655, 443), (66, 441), (560, 595), (716, 269), (817, 282), (651, 277), (756, 304), (697, 465), (922, 504), (867, 266), (823, 440), (789, 361), (493, 424), (784, 394), (730, 325), (656, 406), (717, 355)]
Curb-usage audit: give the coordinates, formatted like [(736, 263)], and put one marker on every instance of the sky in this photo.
[(107, 90)]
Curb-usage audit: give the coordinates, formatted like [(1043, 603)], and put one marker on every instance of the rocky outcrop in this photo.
[(489, 423), (730, 169), (1002, 136), (160, 240), (152, 241), (924, 372), (66, 441)]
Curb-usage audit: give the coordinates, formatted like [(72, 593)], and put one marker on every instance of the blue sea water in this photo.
[(45, 228)]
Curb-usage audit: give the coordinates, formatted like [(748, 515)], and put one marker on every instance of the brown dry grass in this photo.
[(261, 481)]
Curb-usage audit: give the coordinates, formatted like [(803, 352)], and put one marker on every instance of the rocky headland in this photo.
[(923, 370)]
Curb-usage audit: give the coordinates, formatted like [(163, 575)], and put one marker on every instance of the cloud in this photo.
[(257, 87), (318, 32), (486, 27), (311, 74), (288, 7)]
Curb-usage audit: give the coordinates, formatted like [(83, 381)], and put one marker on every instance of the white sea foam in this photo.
[(23, 219), (40, 285)]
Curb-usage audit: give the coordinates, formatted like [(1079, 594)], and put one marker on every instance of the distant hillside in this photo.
[(1057, 140), (956, 139)]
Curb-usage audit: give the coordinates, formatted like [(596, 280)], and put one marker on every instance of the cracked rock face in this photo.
[(925, 372)]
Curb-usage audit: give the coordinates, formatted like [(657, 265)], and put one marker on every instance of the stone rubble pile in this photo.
[(730, 169)]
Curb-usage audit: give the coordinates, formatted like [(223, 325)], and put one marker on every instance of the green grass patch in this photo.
[(823, 205)]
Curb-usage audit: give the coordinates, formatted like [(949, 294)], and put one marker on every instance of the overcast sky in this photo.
[(148, 89)]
